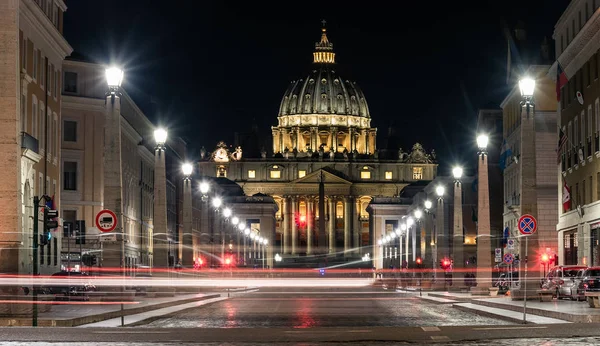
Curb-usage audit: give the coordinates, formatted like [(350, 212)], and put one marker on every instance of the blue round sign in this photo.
[(527, 224)]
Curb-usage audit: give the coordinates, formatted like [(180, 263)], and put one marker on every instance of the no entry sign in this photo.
[(106, 220), (527, 224)]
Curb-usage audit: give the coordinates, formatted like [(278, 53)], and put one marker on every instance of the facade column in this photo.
[(314, 144), (331, 224), (484, 248), (276, 141), (458, 241), (351, 135), (187, 255), (310, 219), (357, 224), (114, 253), (287, 219), (282, 135), (367, 142), (161, 238), (294, 225), (439, 235), (334, 140), (347, 224), (298, 139)]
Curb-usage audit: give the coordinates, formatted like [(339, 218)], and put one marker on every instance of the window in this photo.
[(388, 175), (70, 133), (34, 120), (595, 65), (42, 141), (251, 174), (576, 131), (275, 174), (42, 71), (70, 83), (301, 173), (589, 122), (35, 64), (70, 176), (339, 210), (365, 175), (417, 173), (24, 61), (55, 83), (56, 138), (49, 132), (23, 113)]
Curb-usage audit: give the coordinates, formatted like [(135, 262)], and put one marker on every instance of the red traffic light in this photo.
[(228, 261), (545, 258), (302, 218), (419, 260)]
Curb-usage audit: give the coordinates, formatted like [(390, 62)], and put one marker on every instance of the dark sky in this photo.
[(214, 66)]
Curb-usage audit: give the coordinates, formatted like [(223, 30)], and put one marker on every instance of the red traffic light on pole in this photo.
[(419, 261)]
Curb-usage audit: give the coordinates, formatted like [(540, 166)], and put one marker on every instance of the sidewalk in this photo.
[(71, 314), (555, 311)]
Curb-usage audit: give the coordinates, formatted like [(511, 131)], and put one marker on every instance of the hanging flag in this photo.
[(562, 140), (50, 203), (561, 79), (505, 154), (566, 198)]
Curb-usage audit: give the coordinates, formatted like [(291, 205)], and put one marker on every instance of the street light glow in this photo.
[(241, 226), (216, 202), (398, 231), (114, 77), (265, 241), (403, 227), (393, 235), (187, 169), (160, 136), (227, 212), (246, 230), (204, 187), (235, 220), (440, 190), (482, 141), (527, 86), (252, 235), (457, 172), (428, 204), (418, 214), (379, 242), (409, 221)]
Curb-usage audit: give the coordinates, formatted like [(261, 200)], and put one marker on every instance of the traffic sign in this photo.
[(106, 220), (510, 244), (527, 224), (508, 258)]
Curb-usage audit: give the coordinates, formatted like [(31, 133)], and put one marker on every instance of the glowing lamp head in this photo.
[(235, 220), (398, 231), (403, 227), (187, 169), (241, 226), (227, 212), (204, 187), (482, 141), (228, 261), (388, 238), (216, 202), (252, 236), (265, 241), (246, 231), (160, 136), (418, 213), (409, 221), (457, 172), (379, 242), (302, 218), (440, 190), (114, 77), (545, 258), (428, 204), (527, 86)]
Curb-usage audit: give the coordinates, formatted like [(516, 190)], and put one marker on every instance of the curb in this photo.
[(544, 313), (77, 321)]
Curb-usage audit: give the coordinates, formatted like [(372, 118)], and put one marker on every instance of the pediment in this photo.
[(314, 178)]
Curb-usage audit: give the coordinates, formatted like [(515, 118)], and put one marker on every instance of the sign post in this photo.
[(527, 226)]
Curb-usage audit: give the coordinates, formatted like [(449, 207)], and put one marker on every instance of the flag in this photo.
[(561, 79), (505, 153), (50, 203), (566, 198), (562, 140), (505, 236)]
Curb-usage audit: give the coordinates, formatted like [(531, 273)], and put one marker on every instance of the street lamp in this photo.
[(457, 244), (235, 220), (187, 169), (227, 212), (428, 204), (187, 243), (457, 172), (204, 187), (160, 136), (114, 77), (482, 142), (527, 87), (440, 190), (216, 202), (409, 222), (418, 213), (241, 226)]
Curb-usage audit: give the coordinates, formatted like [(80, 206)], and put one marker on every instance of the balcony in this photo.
[(29, 142), (514, 201)]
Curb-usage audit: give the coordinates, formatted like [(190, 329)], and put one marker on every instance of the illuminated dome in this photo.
[(323, 112)]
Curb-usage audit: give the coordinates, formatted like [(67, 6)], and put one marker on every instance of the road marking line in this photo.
[(439, 337), (132, 332), (508, 328), (430, 329), (327, 331)]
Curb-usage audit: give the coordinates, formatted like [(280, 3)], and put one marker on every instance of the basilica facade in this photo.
[(324, 168)]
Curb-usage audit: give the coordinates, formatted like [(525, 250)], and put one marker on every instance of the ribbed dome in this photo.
[(324, 92)]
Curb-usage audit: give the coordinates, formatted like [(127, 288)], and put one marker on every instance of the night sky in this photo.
[(215, 67)]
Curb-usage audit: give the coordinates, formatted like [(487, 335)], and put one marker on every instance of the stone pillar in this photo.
[(347, 225), (458, 239), (357, 224), (287, 219), (114, 252), (294, 225), (334, 139), (161, 239), (314, 143), (331, 225), (282, 135), (276, 141), (439, 237), (310, 219), (187, 255), (298, 139), (367, 142), (351, 137), (484, 249)]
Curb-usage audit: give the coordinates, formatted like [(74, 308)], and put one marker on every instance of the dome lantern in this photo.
[(324, 49)]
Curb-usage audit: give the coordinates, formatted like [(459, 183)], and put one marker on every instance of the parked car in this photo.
[(561, 280), (67, 288), (590, 282)]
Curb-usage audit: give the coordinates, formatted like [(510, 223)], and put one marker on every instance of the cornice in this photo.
[(33, 15), (82, 103), (583, 46), (307, 120)]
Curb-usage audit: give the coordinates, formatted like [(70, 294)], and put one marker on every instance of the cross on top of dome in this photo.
[(324, 49)]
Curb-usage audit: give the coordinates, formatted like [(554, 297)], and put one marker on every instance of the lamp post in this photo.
[(161, 243), (113, 254), (204, 188), (187, 254), (527, 165), (458, 237), (484, 254), (440, 244), (409, 222), (417, 237)]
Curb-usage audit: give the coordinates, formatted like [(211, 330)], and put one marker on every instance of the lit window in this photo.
[(365, 175), (221, 172), (301, 173), (339, 210), (388, 175), (251, 174), (275, 174), (417, 173)]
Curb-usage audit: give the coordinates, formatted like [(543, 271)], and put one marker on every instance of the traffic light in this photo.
[(94, 260), (80, 232), (50, 224), (545, 258), (445, 263), (419, 261)]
